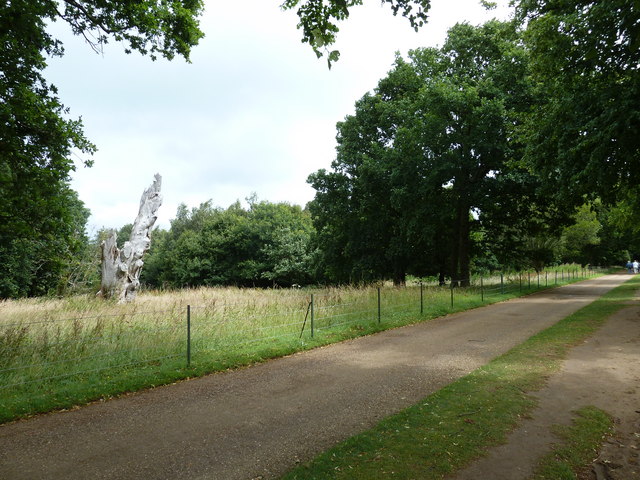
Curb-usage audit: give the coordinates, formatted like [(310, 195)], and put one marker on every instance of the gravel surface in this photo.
[(603, 372), (259, 422)]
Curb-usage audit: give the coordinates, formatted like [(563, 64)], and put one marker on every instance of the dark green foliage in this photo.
[(39, 239), (429, 158), (318, 19), (41, 219), (583, 136), (266, 245)]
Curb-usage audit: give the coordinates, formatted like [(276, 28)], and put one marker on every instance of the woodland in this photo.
[(513, 146)]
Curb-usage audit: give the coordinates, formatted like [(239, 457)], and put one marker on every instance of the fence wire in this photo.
[(159, 335)]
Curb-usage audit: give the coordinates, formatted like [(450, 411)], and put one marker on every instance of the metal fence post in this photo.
[(378, 304), (312, 313), (188, 336), (481, 290), (451, 293), (501, 283), (421, 298)]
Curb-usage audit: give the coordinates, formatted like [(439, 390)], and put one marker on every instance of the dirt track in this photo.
[(261, 421), (604, 372)]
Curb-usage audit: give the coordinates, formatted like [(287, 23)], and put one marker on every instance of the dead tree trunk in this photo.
[(121, 268)]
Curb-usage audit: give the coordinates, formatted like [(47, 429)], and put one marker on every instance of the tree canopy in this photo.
[(40, 216), (428, 157), (319, 18), (584, 136), (478, 151), (265, 245)]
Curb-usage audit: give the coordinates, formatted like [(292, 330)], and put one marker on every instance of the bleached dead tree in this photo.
[(121, 268)]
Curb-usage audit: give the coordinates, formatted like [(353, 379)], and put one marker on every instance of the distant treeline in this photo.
[(276, 244), (513, 146)]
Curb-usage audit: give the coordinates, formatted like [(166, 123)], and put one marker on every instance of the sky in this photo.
[(255, 111)]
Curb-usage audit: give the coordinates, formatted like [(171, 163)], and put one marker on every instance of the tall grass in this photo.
[(56, 353)]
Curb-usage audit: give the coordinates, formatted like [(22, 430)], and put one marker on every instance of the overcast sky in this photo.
[(255, 111)]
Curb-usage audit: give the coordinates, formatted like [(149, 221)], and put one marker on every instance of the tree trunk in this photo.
[(461, 246), (455, 250), (121, 268), (464, 241), (399, 278)]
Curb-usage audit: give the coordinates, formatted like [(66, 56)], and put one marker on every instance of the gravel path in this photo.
[(258, 422), (604, 372)]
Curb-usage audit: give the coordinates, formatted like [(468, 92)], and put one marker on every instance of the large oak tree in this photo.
[(427, 157)]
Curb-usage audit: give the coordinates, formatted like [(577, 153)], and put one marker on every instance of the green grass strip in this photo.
[(454, 426), (580, 443), (110, 375)]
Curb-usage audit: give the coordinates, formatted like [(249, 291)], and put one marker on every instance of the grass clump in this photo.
[(452, 427), (579, 445)]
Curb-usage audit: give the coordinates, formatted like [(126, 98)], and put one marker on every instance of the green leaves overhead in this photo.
[(583, 135), (149, 26), (319, 18)]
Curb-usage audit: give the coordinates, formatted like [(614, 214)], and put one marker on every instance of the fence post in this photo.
[(312, 313), (520, 277), (378, 304), (538, 279), (501, 283), (546, 278), (188, 336), (481, 290), (452, 293), (421, 298), (556, 277), (529, 280)]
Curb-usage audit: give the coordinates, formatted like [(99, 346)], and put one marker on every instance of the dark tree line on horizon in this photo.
[(514, 145)]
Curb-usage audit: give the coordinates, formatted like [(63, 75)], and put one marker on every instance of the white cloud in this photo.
[(255, 111)]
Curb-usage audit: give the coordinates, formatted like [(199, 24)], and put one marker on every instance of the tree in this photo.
[(266, 245), (424, 158), (582, 234), (617, 239), (39, 237), (121, 268), (318, 19), (35, 134), (37, 208), (583, 136)]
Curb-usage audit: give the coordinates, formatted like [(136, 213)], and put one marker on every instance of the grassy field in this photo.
[(57, 353)]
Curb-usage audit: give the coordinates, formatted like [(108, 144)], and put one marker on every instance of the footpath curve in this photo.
[(259, 422)]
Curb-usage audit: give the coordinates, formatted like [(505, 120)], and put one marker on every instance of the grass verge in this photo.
[(452, 427), (580, 443), (55, 354)]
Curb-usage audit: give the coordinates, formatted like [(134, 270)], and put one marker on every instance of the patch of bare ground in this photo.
[(603, 372)]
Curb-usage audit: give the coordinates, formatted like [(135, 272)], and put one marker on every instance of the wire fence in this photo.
[(45, 358)]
